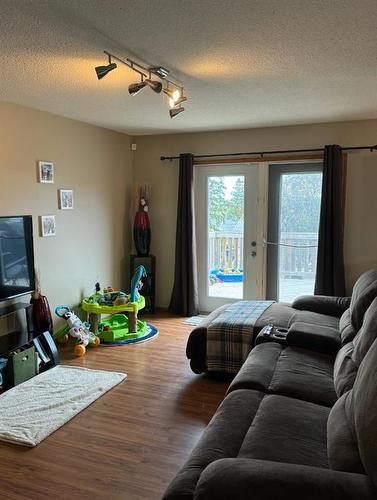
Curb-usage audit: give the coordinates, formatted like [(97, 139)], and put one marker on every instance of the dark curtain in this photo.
[(184, 299), (330, 263)]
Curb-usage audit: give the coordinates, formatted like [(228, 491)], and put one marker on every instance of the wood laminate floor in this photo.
[(131, 442)]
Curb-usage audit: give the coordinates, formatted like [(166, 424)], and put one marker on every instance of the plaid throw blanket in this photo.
[(230, 335)]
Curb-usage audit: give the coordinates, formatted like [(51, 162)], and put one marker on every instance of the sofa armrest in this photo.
[(314, 337), (247, 479), (323, 304)]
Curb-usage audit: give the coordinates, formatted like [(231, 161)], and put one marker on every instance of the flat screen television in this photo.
[(16, 256)]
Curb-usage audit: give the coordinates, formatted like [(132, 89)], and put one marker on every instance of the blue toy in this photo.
[(140, 272)]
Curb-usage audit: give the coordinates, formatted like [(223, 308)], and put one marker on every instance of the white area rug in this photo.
[(33, 410), (195, 320)]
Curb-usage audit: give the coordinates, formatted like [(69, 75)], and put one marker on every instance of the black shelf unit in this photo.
[(149, 283), (17, 332)]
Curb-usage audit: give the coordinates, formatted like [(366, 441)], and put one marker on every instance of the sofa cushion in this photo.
[(245, 479), (275, 434), (363, 402), (343, 452), (314, 318), (345, 370), (363, 293), (324, 304), (278, 314), (314, 337), (290, 371), (259, 368), (347, 331), (220, 439), (352, 424), (250, 424), (351, 355), (366, 335), (305, 375)]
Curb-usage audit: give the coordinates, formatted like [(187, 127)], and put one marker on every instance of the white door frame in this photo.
[(255, 229)]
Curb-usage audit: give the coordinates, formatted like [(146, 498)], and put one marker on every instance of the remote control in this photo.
[(267, 330)]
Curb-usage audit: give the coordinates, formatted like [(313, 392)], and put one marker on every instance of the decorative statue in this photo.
[(142, 228)]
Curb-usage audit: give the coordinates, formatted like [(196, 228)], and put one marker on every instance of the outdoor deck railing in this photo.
[(297, 261), (226, 251)]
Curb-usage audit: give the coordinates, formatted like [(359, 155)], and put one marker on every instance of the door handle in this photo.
[(253, 253)]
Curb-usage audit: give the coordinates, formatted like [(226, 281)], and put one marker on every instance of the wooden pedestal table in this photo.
[(95, 310)]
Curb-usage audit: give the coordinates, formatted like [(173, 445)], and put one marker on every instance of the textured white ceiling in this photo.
[(245, 63)]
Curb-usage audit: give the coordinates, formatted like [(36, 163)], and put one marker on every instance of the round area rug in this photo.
[(149, 335)]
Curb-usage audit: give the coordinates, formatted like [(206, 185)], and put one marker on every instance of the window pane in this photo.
[(300, 203), (226, 195)]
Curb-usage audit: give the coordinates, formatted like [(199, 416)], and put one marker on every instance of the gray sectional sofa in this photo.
[(296, 423), (322, 322)]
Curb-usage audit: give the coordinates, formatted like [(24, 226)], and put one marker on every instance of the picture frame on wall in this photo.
[(66, 199), (46, 172), (48, 225)]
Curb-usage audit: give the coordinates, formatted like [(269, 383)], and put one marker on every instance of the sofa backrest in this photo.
[(363, 293), (352, 423), (351, 355)]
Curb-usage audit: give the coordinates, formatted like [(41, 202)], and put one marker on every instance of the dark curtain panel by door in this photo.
[(330, 263), (184, 299)]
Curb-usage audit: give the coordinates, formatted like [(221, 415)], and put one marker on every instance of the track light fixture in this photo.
[(173, 90)]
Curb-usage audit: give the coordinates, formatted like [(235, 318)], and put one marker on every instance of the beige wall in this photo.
[(93, 239), (361, 209)]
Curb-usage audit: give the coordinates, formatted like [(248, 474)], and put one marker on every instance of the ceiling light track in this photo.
[(173, 89)]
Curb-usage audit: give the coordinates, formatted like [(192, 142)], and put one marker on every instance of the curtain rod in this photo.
[(263, 153)]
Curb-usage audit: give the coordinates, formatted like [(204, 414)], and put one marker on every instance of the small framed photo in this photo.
[(66, 199), (46, 172), (48, 225)]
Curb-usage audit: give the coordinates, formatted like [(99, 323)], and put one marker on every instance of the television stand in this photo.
[(17, 332)]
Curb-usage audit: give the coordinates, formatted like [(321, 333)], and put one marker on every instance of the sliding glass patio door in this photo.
[(230, 216)]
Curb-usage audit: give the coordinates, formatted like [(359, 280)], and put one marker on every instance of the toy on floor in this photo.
[(123, 324), (136, 283), (76, 329)]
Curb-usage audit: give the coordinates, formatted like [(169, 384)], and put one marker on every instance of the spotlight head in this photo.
[(175, 111), (103, 70), (174, 94), (135, 88), (155, 86), (173, 103)]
